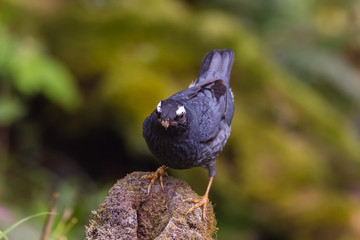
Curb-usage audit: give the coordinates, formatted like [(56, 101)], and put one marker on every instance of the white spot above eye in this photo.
[(158, 107), (180, 110)]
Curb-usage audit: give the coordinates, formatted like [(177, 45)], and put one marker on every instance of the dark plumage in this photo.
[(190, 128)]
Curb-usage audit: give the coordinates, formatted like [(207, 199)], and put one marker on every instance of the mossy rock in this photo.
[(129, 212)]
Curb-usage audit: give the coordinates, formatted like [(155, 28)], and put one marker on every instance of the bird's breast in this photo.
[(176, 152)]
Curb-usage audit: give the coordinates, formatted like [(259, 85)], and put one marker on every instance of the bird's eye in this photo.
[(180, 113), (158, 107), (158, 110), (180, 117)]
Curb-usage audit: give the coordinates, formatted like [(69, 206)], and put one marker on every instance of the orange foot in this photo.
[(202, 202), (160, 172)]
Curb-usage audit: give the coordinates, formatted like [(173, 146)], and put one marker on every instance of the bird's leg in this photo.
[(203, 201), (159, 173)]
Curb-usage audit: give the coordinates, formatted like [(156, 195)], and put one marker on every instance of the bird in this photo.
[(190, 128)]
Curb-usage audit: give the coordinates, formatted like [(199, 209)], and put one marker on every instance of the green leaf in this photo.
[(34, 72)]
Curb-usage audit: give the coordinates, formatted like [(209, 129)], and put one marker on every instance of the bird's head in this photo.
[(171, 114)]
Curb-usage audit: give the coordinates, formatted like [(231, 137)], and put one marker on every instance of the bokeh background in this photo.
[(77, 79)]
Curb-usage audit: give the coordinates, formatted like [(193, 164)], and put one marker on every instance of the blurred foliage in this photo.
[(29, 71), (77, 79)]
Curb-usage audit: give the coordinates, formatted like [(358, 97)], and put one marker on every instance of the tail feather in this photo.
[(216, 64)]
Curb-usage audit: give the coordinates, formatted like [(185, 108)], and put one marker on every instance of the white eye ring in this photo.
[(180, 110), (158, 107)]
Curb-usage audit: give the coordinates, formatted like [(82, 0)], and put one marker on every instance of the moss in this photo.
[(128, 212)]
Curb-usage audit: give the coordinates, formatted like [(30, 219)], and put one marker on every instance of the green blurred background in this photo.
[(77, 79)]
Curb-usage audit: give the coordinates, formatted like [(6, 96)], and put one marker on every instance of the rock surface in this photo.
[(128, 212)]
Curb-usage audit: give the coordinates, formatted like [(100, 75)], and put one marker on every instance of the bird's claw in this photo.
[(159, 173), (202, 202)]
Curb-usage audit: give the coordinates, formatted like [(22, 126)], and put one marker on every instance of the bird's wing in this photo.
[(209, 102)]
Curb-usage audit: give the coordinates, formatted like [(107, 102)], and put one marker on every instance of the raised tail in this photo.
[(216, 64)]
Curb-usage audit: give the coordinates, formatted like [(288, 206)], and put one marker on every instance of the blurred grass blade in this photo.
[(15, 225), (3, 235)]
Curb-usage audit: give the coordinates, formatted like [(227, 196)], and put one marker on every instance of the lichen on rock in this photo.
[(129, 212)]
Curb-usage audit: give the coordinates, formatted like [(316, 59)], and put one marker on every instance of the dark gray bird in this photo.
[(190, 128)]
